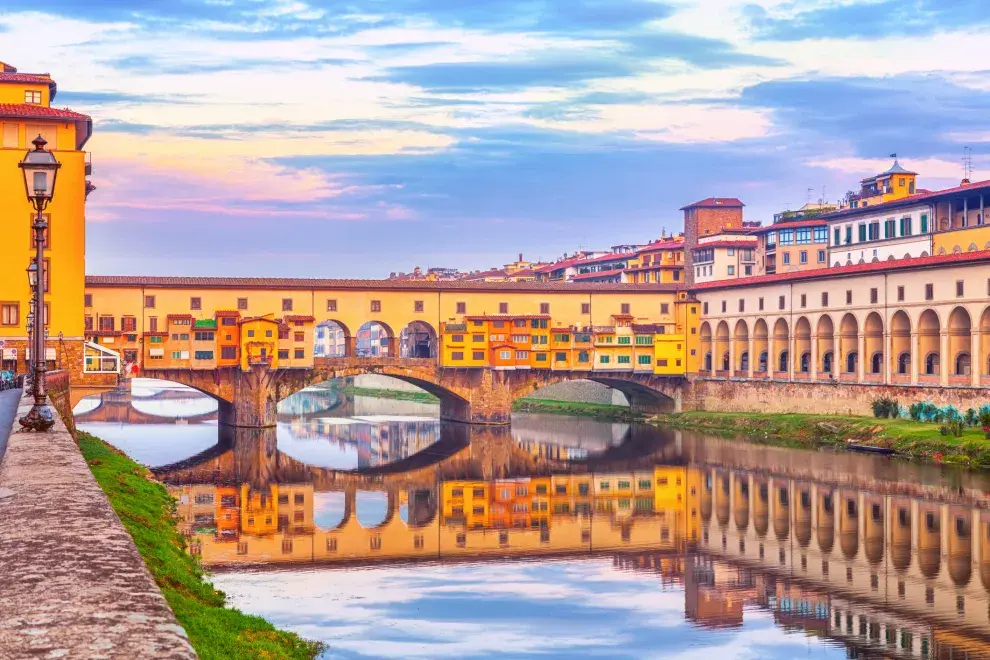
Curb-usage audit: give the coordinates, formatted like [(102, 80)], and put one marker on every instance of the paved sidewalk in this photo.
[(72, 584)]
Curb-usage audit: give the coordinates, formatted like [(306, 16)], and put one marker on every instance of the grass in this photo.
[(602, 411), (906, 437), (399, 395), (148, 512)]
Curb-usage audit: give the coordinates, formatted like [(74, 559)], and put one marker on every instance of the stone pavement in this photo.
[(72, 584)]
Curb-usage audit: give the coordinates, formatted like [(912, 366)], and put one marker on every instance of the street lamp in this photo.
[(40, 171)]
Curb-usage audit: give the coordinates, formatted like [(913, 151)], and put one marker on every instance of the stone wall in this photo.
[(582, 391), (74, 585), (823, 398)]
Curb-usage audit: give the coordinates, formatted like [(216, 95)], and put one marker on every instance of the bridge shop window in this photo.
[(457, 355), (376, 305), (625, 308), (88, 300), (195, 303), (299, 353), (283, 354), (299, 336), (286, 304), (781, 302), (929, 292), (418, 306), (242, 303), (331, 305), (586, 308), (462, 308), (228, 352), (503, 308), (544, 308), (477, 355)]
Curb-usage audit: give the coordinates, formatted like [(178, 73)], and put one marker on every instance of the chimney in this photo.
[(520, 256)]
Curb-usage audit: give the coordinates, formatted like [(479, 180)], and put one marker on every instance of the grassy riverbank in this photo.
[(398, 395), (600, 411), (919, 440), (147, 511)]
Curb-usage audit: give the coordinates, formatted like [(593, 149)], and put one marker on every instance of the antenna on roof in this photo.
[(967, 164), (808, 195)]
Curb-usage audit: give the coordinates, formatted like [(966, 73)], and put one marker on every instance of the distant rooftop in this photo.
[(716, 202)]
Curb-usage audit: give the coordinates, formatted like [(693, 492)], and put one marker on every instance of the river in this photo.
[(372, 526)]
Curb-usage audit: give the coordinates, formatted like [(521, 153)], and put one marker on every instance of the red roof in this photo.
[(32, 111), (180, 316), (664, 245), (716, 203), (724, 244), (612, 256), (908, 201), (291, 317), (29, 78), (492, 272), (598, 274), (226, 312), (854, 269), (816, 222), (563, 263), (296, 283)]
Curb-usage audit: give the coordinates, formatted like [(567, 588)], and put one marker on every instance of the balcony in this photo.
[(260, 360), (89, 163)]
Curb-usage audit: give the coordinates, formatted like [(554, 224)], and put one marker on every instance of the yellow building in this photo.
[(896, 183), (259, 342), (25, 113), (465, 503)]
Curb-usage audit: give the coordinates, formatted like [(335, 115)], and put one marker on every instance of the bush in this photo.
[(985, 420), (957, 427), (943, 429), (916, 411), (886, 407), (972, 417)]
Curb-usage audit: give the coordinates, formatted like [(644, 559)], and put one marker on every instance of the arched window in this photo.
[(931, 364), (827, 362), (783, 361), (876, 363), (805, 362), (708, 361), (744, 361), (763, 362), (963, 364), (904, 363), (851, 362)]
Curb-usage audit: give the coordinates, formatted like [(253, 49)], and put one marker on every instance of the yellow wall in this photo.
[(961, 240), (14, 92), (258, 334)]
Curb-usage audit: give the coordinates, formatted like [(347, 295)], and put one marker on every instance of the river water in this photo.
[(372, 526)]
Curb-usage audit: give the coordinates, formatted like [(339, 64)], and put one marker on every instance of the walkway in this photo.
[(73, 584), (8, 406)]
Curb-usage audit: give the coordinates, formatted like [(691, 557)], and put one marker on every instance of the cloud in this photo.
[(866, 19)]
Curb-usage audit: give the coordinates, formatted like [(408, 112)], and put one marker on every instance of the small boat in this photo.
[(870, 449)]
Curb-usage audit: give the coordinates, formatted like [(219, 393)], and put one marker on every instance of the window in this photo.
[(874, 296), (586, 308), (787, 258), (824, 298), (376, 306), (900, 294), (10, 313), (88, 322), (299, 336), (760, 303), (286, 304), (874, 231), (924, 223), (604, 359), (731, 252), (505, 355), (503, 308), (541, 357), (283, 354), (787, 237), (889, 228), (152, 324), (107, 323), (732, 270), (821, 234), (477, 338), (457, 339), (625, 308), (849, 234), (227, 352), (906, 226), (661, 363), (723, 307), (149, 302), (704, 308), (522, 355), (862, 232), (742, 305), (623, 359), (331, 305), (128, 324), (780, 302), (33, 97), (625, 340), (803, 256), (544, 308), (418, 306), (959, 288), (804, 300), (804, 236), (929, 292), (462, 308), (200, 336), (644, 359), (838, 236), (195, 303), (204, 355), (821, 256), (180, 355), (299, 353), (849, 297)]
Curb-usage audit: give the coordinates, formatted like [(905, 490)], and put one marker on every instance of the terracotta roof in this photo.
[(665, 245), (292, 317), (259, 318), (658, 265), (180, 316), (226, 312), (716, 203), (921, 198), (724, 244), (563, 263), (32, 111), (104, 333), (815, 222), (855, 269), (612, 256), (286, 283), (598, 274), (29, 78), (492, 272), (156, 334), (525, 272)]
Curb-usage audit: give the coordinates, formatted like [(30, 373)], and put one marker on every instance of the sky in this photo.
[(335, 138)]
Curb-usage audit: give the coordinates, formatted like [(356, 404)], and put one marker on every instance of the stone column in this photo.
[(915, 362), (732, 356), (944, 359), (837, 365), (791, 357), (887, 343), (976, 355), (860, 356), (752, 356), (771, 354), (254, 399), (813, 367)]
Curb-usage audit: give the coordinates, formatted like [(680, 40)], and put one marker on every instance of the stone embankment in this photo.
[(73, 584)]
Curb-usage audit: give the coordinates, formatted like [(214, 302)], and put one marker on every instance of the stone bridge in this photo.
[(473, 396)]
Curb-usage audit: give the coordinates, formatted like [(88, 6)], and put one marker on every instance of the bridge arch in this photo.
[(418, 339)]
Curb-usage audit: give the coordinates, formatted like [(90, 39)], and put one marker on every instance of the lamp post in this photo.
[(40, 171)]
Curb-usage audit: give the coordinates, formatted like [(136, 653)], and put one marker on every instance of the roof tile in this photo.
[(31, 111)]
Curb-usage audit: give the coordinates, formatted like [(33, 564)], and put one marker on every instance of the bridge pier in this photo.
[(255, 400)]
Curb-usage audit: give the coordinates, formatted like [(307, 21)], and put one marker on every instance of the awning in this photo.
[(156, 352)]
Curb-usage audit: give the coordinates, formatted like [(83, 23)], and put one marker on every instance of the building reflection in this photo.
[(838, 556)]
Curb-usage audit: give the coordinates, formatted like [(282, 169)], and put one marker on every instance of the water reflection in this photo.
[(637, 539)]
